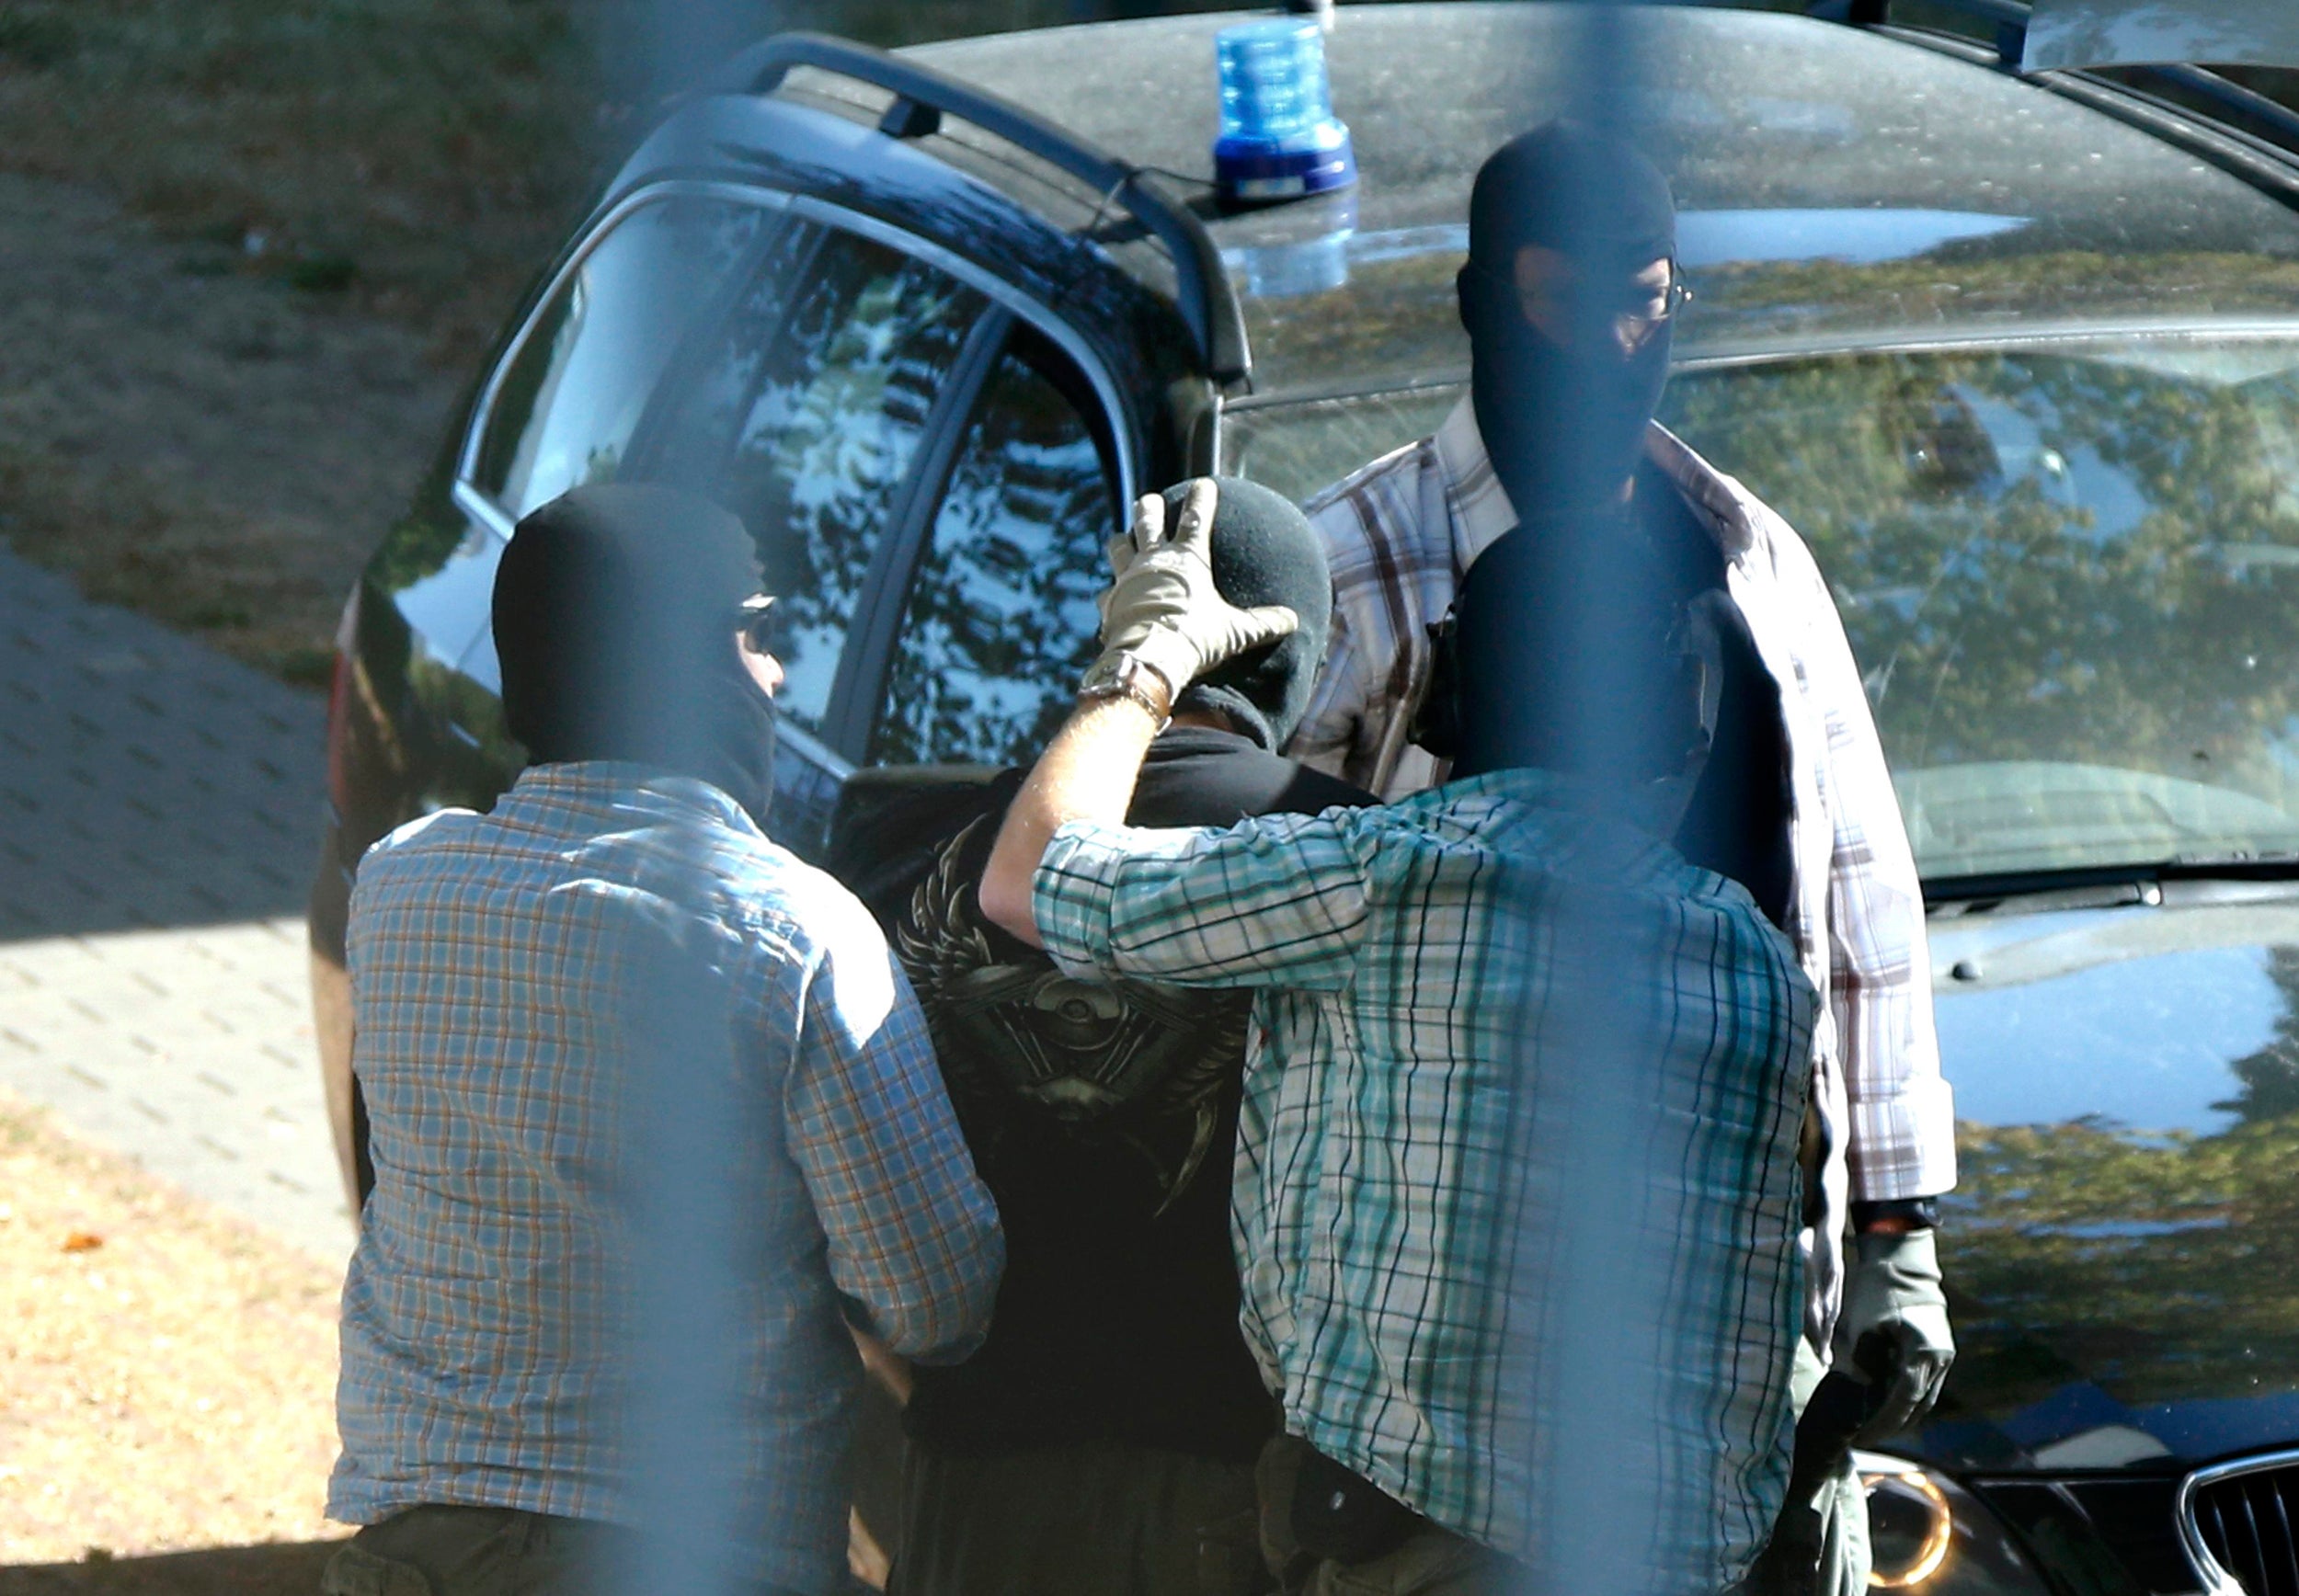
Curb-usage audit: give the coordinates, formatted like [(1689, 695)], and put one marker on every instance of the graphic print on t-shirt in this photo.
[(1138, 1070)]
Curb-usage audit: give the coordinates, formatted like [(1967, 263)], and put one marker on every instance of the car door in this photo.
[(996, 618), (811, 412), (814, 373)]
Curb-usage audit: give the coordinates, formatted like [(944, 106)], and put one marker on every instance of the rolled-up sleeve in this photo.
[(913, 1234), (1278, 901), (1900, 1140)]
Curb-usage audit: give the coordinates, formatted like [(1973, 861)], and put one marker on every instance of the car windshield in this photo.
[(2069, 572)]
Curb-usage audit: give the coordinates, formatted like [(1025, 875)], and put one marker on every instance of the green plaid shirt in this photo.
[(1395, 1185)]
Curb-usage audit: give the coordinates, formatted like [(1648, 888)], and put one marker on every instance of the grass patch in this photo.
[(259, 590), (38, 40), (418, 157)]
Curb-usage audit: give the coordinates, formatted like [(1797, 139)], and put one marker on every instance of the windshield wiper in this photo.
[(2105, 885), (2272, 864)]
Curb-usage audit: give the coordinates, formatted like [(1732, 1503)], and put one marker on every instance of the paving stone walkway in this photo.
[(159, 816)]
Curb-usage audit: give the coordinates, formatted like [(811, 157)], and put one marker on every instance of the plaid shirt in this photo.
[(1402, 530), (1395, 1188), (486, 1312)]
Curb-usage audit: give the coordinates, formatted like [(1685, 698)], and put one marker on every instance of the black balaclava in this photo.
[(1557, 665), (615, 613), (1264, 552), (1564, 425)]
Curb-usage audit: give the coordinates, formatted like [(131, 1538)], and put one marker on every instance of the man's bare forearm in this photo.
[(1087, 773)]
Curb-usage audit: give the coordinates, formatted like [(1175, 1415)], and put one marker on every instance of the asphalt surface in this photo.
[(159, 814)]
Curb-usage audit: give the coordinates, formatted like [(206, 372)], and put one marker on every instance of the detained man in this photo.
[(614, 948), (1571, 296), (1417, 1040), (1104, 1438)]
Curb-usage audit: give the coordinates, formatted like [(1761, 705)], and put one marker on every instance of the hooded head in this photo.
[(1264, 552), (616, 610), (1554, 666), (1565, 219)]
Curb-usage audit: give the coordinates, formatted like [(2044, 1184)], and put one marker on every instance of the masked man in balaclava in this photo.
[(1634, 544), (611, 988), (1104, 1438)]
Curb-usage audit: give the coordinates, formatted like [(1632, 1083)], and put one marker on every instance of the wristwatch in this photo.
[(1128, 675), (1897, 1215)]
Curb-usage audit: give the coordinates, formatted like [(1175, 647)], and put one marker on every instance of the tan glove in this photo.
[(1893, 1287), (1163, 607)]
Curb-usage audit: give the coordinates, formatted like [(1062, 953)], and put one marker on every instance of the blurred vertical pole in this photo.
[(692, 1391), (690, 1199), (1588, 1296), (685, 37)]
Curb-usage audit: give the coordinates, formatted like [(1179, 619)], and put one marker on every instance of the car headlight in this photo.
[(1927, 1535)]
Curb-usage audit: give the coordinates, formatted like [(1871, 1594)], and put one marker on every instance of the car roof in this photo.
[(1832, 182)]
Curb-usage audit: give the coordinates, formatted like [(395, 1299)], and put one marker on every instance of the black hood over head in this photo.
[(1264, 552), (1558, 667), (1564, 425), (615, 612)]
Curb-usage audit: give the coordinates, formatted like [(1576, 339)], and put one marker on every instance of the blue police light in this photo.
[(1279, 137)]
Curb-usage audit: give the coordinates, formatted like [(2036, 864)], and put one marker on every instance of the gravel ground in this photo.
[(166, 1383)]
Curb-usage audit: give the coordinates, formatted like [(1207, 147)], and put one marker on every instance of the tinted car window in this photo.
[(2069, 575), (1000, 619), (571, 400), (809, 435), (1301, 447)]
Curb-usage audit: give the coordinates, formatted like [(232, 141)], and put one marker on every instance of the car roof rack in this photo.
[(2246, 109), (2242, 111), (2010, 17), (922, 97)]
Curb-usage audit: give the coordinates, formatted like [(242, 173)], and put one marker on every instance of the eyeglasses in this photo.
[(1629, 311), (759, 624)]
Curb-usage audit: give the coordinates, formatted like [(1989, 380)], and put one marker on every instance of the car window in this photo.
[(810, 433), (2070, 576), (1000, 619), (1301, 447), (2065, 575), (568, 406)]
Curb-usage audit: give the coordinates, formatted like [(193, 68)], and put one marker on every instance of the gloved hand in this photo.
[(1164, 608), (1892, 1288)]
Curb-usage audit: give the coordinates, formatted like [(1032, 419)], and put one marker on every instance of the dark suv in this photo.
[(2017, 353)]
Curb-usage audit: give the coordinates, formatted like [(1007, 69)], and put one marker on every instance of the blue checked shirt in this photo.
[(1397, 1193), (486, 1308)]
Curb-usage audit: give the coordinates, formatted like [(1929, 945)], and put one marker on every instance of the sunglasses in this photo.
[(759, 624)]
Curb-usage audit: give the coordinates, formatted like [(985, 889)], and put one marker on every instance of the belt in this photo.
[(1339, 1514)]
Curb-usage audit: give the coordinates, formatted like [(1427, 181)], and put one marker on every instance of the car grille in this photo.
[(2246, 1516)]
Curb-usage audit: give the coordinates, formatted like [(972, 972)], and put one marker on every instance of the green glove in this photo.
[(1163, 607), (1893, 1288)]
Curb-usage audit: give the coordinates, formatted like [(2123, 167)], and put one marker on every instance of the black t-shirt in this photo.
[(1103, 1121)]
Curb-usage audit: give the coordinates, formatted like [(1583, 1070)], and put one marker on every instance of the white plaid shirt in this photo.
[(1402, 530)]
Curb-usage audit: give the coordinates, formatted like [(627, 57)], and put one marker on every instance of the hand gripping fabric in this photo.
[(1163, 607)]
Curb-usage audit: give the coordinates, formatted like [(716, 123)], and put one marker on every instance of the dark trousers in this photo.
[(460, 1551), (1419, 1559), (1093, 1520)]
